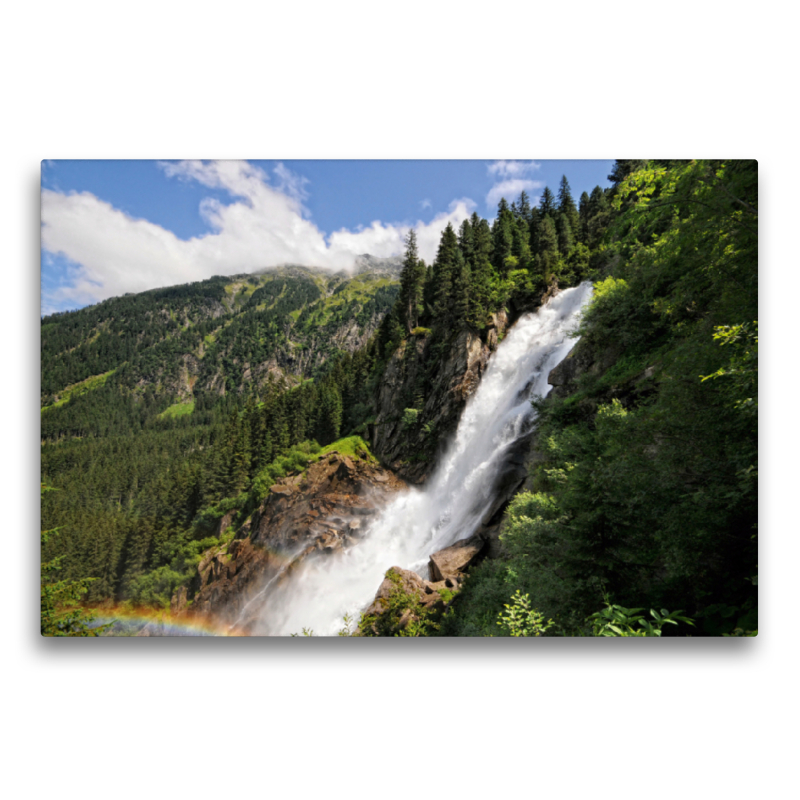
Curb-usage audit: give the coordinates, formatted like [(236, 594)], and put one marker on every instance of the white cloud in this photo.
[(511, 178), (512, 169), (264, 226), (426, 203), (511, 189), (386, 240)]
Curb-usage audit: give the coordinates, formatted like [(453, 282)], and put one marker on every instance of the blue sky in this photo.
[(110, 227)]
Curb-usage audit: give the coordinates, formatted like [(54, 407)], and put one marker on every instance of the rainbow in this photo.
[(128, 622)]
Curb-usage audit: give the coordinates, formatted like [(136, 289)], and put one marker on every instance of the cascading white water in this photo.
[(453, 503)]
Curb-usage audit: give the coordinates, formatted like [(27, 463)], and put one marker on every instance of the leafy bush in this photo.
[(519, 619), (410, 417), (618, 621), (157, 587)]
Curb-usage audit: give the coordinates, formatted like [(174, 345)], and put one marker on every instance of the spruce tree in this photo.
[(547, 259), (547, 205), (482, 272), (444, 268), (566, 206), (533, 229), (524, 206), (465, 241), (503, 237), (521, 247), (599, 217), (410, 284), (565, 201), (583, 216), (564, 233), (462, 291)]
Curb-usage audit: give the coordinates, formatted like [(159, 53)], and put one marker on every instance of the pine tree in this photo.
[(330, 423), (411, 280), (599, 217), (462, 290), (482, 272), (503, 237), (521, 248), (564, 233), (533, 228), (566, 207), (547, 205), (465, 241), (444, 268), (565, 202), (583, 216), (547, 259), (524, 206)]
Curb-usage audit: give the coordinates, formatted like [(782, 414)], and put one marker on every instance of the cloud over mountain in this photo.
[(264, 225)]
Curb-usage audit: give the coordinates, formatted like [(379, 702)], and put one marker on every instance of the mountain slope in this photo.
[(211, 338)]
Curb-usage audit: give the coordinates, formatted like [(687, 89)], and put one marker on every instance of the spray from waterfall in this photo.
[(458, 496)]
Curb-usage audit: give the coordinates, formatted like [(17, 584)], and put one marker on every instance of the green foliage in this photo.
[(352, 446), (519, 619), (60, 610), (742, 368), (615, 620), (399, 606), (157, 587), (410, 416), (78, 389), (294, 460)]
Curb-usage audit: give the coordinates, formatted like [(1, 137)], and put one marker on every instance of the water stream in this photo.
[(458, 495)]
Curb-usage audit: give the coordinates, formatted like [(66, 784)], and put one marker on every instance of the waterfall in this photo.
[(452, 505)]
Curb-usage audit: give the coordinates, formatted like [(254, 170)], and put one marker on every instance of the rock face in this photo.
[(310, 515), (407, 447), (564, 376)]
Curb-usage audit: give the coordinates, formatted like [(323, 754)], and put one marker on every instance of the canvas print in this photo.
[(511, 398)]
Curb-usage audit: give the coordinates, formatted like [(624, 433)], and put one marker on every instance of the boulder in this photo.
[(420, 598), (454, 560)]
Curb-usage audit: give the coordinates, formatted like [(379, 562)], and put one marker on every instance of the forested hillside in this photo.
[(167, 412), (141, 397)]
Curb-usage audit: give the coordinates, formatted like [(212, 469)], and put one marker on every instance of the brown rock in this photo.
[(305, 516), (454, 560)]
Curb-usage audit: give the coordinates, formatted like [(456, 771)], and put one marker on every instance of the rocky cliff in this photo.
[(422, 393), (311, 515)]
